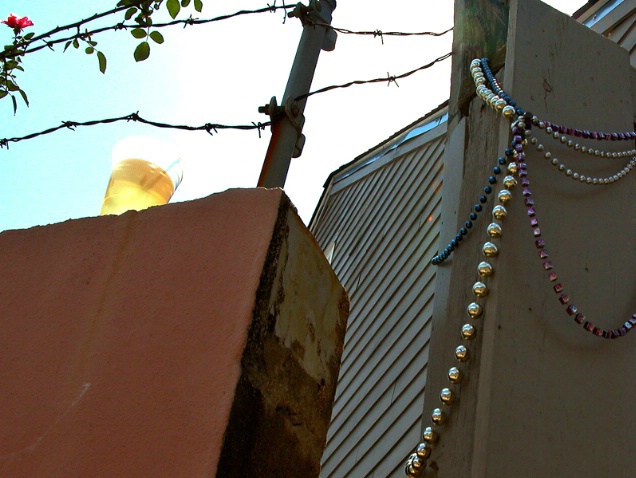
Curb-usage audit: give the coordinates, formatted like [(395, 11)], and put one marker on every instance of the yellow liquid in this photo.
[(136, 184)]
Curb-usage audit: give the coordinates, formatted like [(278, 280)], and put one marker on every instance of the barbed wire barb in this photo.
[(273, 10), (209, 127), (380, 33), (198, 21), (72, 125), (390, 79)]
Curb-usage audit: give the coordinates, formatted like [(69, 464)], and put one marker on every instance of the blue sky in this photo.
[(218, 73), (56, 177)]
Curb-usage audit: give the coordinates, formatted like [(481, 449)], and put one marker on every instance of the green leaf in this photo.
[(15, 104), (173, 8), (91, 42), (24, 97), (28, 36), (68, 43), (3, 93), (102, 61), (185, 3), (75, 43), (157, 37), (138, 33), (130, 12), (198, 5), (90, 50), (142, 51), (11, 86)]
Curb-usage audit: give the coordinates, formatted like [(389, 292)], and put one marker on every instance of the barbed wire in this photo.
[(198, 21), (213, 127), (380, 33), (389, 79), (210, 128)]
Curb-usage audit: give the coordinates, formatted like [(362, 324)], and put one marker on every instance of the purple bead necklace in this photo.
[(502, 102), (555, 132), (564, 299), (515, 158), (553, 128), (520, 130), (482, 68)]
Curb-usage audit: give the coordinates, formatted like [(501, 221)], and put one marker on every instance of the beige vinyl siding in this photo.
[(617, 21), (377, 212), (624, 33)]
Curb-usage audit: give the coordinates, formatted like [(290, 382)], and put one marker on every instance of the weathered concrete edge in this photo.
[(264, 436)]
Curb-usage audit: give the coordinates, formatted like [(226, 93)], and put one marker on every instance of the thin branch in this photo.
[(77, 24), (58, 29), (185, 22)]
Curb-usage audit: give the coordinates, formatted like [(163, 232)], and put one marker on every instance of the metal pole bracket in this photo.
[(291, 109), (273, 110), (297, 119)]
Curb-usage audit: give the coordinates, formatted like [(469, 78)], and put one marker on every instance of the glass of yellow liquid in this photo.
[(146, 172)]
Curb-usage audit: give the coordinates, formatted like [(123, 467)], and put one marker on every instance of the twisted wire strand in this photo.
[(389, 79), (210, 128), (214, 127)]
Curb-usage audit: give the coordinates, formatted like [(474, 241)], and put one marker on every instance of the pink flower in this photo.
[(17, 23)]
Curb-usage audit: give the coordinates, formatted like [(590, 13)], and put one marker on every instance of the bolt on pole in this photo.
[(287, 119)]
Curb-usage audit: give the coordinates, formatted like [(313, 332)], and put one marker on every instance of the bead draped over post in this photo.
[(514, 161)]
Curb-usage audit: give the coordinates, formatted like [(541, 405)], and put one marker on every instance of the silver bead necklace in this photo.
[(518, 172)]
